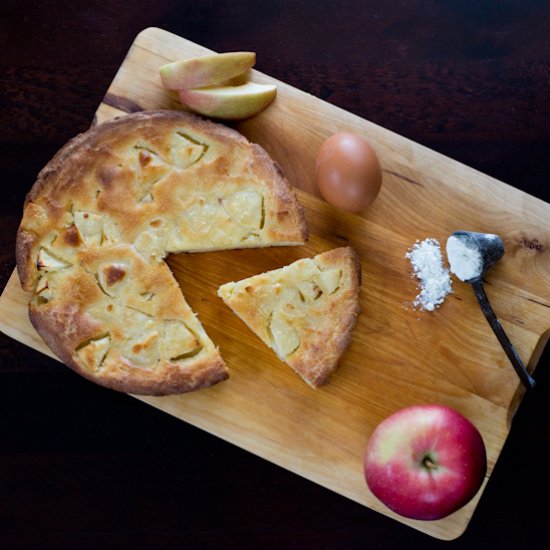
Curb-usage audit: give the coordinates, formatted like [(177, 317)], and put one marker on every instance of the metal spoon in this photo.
[(481, 251)]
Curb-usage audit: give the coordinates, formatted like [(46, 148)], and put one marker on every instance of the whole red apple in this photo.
[(425, 461)]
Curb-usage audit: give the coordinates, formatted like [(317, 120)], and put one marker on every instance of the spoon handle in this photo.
[(527, 380)]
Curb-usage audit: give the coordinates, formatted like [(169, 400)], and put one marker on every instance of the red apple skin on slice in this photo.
[(229, 102), (209, 70), (425, 461)]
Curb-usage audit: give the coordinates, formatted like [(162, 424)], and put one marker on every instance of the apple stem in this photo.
[(428, 463)]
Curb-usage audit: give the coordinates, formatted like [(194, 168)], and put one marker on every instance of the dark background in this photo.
[(83, 467)]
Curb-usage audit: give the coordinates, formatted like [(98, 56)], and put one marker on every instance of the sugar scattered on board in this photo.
[(434, 279)]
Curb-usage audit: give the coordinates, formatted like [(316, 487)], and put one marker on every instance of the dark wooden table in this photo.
[(83, 467)]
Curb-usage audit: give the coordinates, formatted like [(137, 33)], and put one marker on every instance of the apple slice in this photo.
[(209, 70), (229, 102)]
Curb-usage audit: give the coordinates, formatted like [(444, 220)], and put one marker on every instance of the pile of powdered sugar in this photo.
[(434, 279)]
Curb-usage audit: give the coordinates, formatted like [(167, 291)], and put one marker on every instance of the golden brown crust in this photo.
[(25, 243), (282, 193), (321, 359), (305, 311), (199, 374), (103, 214)]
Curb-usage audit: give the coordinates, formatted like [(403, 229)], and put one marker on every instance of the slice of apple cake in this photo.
[(305, 311)]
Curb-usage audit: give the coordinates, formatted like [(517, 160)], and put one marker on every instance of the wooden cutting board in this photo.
[(399, 356)]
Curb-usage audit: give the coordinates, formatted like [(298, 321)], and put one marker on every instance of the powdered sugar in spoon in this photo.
[(471, 255)]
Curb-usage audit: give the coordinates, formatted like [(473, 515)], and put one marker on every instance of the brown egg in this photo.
[(348, 172)]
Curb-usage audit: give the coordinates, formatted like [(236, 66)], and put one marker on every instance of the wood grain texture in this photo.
[(456, 361)]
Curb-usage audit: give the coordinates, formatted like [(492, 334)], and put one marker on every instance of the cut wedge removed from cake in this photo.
[(305, 312)]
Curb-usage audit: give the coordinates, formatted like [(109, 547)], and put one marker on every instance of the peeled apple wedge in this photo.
[(229, 102), (209, 70)]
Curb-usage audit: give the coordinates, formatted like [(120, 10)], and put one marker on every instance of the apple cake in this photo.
[(305, 312), (106, 211)]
